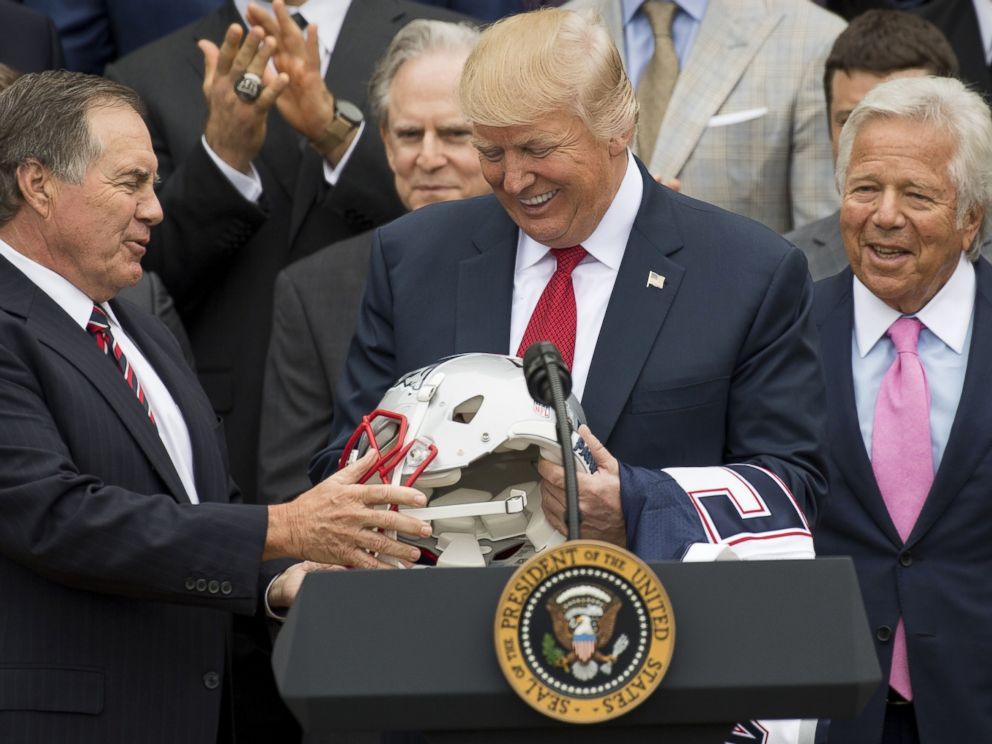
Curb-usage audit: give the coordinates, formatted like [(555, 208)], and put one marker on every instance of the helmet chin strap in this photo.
[(513, 505)]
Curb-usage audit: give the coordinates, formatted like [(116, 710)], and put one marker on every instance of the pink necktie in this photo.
[(554, 316), (901, 456)]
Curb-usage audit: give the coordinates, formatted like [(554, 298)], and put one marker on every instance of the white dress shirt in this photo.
[(593, 278), (169, 420), (943, 347)]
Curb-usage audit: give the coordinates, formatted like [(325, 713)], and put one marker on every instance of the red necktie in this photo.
[(554, 316), (901, 456), (99, 328)]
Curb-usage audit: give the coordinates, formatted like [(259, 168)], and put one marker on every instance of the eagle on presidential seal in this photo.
[(583, 619)]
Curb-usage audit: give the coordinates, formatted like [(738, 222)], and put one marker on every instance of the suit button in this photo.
[(214, 586), (190, 583), (226, 588), (201, 585), (211, 680), (884, 633), (906, 559)]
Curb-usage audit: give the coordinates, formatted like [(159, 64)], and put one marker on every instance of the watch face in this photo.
[(349, 111)]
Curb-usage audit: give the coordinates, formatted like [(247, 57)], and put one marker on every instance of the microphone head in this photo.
[(541, 360)]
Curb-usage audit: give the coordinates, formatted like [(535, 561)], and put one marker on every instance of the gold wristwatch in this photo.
[(347, 118)]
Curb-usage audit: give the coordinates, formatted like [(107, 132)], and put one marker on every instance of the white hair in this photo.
[(944, 103)]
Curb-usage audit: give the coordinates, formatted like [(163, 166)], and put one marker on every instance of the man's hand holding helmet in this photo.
[(599, 494), (336, 522)]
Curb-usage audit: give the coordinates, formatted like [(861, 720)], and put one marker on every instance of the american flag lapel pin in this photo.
[(655, 280)]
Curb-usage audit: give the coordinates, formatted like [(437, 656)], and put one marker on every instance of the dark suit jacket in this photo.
[(29, 41), (151, 296), (116, 590), (823, 246), (957, 19), (938, 581), (95, 32), (718, 366), (316, 304), (219, 254)]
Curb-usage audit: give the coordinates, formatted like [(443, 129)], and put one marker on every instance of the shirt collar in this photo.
[(947, 315), (65, 294), (327, 14), (695, 8), (609, 240)]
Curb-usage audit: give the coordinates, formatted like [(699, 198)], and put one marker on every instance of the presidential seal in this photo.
[(584, 631)]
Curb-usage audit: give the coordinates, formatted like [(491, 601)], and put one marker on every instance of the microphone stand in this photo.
[(550, 383)]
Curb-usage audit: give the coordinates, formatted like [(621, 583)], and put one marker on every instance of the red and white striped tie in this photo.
[(99, 328)]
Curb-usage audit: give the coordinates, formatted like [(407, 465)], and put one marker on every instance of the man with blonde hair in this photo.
[(686, 328)]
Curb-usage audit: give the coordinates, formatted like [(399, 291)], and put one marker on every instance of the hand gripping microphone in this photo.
[(549, 382)]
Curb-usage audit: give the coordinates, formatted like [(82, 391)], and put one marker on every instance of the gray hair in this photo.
[(417, 39), (44, 117), (948, 104)]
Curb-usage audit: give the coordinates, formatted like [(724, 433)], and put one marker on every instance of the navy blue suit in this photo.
[(717, 366), (938, 581), (116, 590), (29, 41)]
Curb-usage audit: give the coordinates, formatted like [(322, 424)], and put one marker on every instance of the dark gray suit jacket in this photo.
[(29, 41), (117, 591), (316, 304), (219, 254), (957, 19), (824, 247), (822, 244)]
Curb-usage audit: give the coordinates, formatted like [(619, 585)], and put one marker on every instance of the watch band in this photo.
[(347, 118)]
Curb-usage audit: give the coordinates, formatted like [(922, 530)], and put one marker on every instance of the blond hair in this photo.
[(528, 66)]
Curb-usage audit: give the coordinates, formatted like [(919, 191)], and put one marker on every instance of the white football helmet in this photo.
[(466, 432)]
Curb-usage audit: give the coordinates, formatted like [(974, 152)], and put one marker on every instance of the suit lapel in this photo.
[(56, 330), (847, 450), (197, 415), (731, 32), (485, 287), (619, 355), (971, 437)]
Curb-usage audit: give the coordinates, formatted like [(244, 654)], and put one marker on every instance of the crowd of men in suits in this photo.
[(317, 197)]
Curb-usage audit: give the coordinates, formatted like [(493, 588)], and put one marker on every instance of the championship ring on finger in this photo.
[(248, 87)]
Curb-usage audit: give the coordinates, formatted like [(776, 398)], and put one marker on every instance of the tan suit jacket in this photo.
[(746, 128)]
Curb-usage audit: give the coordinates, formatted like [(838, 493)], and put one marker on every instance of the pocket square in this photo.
[(737, 117)]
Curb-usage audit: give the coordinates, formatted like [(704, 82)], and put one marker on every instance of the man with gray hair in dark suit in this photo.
[(124, 551)]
